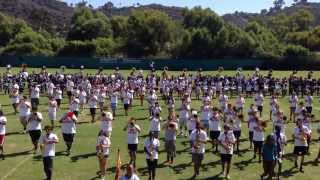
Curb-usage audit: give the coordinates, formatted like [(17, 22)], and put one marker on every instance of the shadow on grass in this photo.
[(82, 156), (13, 133), (289, 172), (243, 164), (18, 154)]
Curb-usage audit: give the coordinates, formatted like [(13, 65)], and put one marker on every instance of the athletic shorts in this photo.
[(300, 150), (93, 111), (309, 109), (170, 146), (132, 147), (113, 106), (58, 102), (260, 108), (258, 144), (182, 122), (237, 134), (205, 124), (126, 106), (68, 137), (250, 135), (214, 134), (35, 135), (293, 109), (197, 158), (69, 93), (226, 158), (152, 164), (2, 138)]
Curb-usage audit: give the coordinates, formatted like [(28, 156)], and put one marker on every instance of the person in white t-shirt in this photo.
[(240, 101), (151, 149), (34, 127), (106, 123), (68, 128), (52, 110), (101, 98), (58, 95), (236, 127), (258, 138), (259, 102), (155, 125), (130, 175), (226, 141), (133, 131), (114, 102), (82, 98), (198, 138), (215, 128), (103, 151), (300, 135), (3, 123), (47, 144), (293, 101), (93, 105), (281, 142), (171, 128), (24, 112), (126, 95), (318, 157), (69, 86), (14, 97), (308, 99), (74, 105), (184, 115), (35, 95)]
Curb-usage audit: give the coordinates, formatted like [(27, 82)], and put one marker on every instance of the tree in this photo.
[(296, 51), (278, 4), (301, 20), (78, 48)]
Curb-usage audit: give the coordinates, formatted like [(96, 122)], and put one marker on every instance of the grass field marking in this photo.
[(16, 167)]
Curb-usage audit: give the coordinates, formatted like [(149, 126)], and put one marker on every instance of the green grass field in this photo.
[(82, 164)]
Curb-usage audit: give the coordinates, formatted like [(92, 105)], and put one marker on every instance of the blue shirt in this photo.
[(269, 152)]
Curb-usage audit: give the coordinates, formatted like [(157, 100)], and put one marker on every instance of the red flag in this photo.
[(118, 167)]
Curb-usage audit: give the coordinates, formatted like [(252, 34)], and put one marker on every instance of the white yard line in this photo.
[(16, 167)]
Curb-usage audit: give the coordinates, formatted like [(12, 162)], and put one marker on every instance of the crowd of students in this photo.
[(219, 126)]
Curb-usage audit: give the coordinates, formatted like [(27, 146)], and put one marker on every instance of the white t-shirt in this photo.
[(298, 136), (68, 125), (93, 102), (58, 94), (258, 133), (148, 144), (259, 100), (202, 136), (293, 100), (74, 106), (105, 143), (24, 109), (206, 113), (227, 139), (133, 177), (106, 124), (133, 134), (155, 124), (34, 124), (3, 126), (49, 146), (83, 96), (52, 106), (35, 93), (281, 140), (240, 102), (308, 100), (114, 98), (214, 123)]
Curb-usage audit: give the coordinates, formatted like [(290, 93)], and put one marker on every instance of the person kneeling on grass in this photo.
[(130, 175), (68, 127), (269, 155), (103, 150), (47, 144)]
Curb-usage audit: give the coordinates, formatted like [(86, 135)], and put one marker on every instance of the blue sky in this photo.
[(220, 6)]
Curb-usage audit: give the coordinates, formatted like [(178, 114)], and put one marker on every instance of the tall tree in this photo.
[(278, 4)]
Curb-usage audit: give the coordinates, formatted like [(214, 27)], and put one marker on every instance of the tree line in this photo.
[(153, 34)]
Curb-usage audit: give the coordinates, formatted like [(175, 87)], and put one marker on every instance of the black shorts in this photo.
[(34, 102), (69, 93), (126, 106), (58, 102), (226, 158), (35, 135), (214, 135), (68, 137), (258, 144), (93, 111), (293, 109), (300, 150), (152, 164), (197, 158), (250, 135), (237, 134), (260, 108), (132, 147), (309, 109)]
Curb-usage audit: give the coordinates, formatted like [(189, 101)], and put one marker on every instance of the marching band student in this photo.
[(151, 148), (24, 112), (155, 125), (68, 128), (52, 110), (133, 131), (14, 97), (106, 123), (223, 101), (269, 154), (215, 128), (259, 102), (258, 137), (82, 98), (240, 101), (252, 115), (35, 95), (300, 136), (126, 95), (318, 157), (156, 109), (101, 98), (47, 144), (3, 122), (226, 141), (198, 138), (34, 127), (152, 99), (293, 101), (103, 151), (58, 95), (114, 102), (93, 105), (237, 130), (273, 105), (69, 86), (184, 116), (171, 128), (74, 105), (308, 99), (206, 113), (130, 175), (280, 141)]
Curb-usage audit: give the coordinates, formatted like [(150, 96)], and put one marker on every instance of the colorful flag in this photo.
[(118, 166)]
